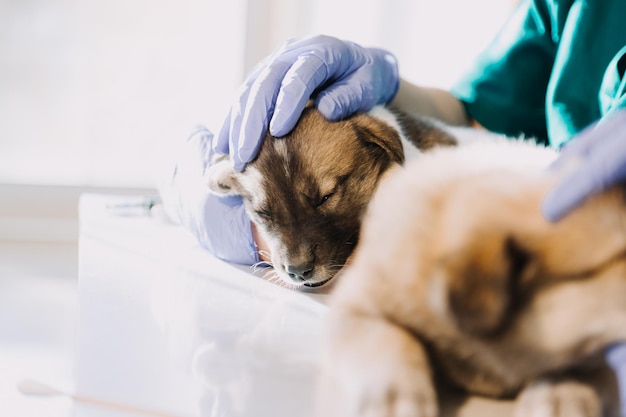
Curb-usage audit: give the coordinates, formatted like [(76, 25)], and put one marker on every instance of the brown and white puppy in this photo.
[(458, 277), (306, 193)]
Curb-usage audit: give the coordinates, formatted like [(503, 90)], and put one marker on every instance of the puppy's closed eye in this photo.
[(338, 188), (324, 199), (265, 215)]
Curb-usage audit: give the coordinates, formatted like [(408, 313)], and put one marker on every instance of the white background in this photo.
[(92, 92)]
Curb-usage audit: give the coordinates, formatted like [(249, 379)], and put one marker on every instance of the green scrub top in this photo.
[(554, 68)]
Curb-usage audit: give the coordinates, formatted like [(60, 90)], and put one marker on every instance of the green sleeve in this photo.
[(612, 94), (505, 90)]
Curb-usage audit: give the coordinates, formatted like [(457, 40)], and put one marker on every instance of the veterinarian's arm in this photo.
[(354, 79), (432, 102), (594, 161), (220, 224)]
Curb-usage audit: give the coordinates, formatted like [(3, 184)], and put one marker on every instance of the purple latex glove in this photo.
[(616, 358), (343, 76), (220, 224), (596, 159)]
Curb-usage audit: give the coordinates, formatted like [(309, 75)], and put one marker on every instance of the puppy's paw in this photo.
[(565, 398), (399, 393), (381, 372)]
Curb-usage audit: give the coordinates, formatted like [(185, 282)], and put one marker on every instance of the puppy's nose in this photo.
[(300, 272)]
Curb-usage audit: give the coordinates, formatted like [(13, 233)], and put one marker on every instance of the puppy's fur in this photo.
[(307, 192), (458, 279)]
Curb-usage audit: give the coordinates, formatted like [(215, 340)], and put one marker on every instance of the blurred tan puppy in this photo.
[(458, 280)]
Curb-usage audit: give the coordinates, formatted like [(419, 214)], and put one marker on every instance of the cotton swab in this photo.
[(31, 387)]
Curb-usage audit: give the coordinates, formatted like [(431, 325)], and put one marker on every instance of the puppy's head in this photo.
[(307, 192)]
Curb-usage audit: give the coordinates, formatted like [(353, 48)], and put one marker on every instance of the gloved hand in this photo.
[(345, 77), (597, 160), (616, 358), (220, 224)]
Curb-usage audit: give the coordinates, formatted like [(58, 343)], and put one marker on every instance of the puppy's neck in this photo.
[(417, 134)]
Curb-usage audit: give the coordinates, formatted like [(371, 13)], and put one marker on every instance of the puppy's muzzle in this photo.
[(300, 272), (307, 273)]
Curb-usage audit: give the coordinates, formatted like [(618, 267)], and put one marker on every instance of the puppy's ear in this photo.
[(222, 178), (376, 132), (483, 278)]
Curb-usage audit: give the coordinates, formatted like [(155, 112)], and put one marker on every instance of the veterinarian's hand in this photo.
[(595, 160), (342, 76), (220, 224)]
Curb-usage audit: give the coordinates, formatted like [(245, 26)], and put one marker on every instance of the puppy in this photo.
[(306, 193), (459, 281)]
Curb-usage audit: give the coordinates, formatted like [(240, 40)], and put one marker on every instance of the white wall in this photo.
[(434, 40), (91, 91)]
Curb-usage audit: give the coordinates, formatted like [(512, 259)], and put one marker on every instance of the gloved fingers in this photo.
[(225, 142), (320, 61), (569, 193), (222, 143), (245, 125), (616, 356), (344, 98), (285, 84), (278, 89), (306, 74), (596, 159), (219, 224), (362, 89), (330, 49), (249, 127), (270, 71), (593, 139), (224, 230), (598, 170)]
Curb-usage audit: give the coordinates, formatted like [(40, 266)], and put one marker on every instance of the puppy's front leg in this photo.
[(374, 368), (558, 398)]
